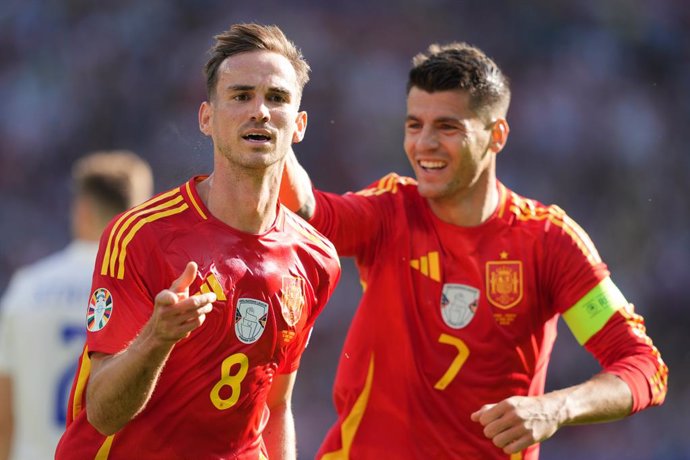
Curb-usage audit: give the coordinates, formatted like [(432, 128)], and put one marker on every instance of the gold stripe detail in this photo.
[(429, 265), (135, 229), (517, 456), (196, 205), (125, 228), (82, 377), (104, 451), (134, 210), (525, 210), (217, 289), (349, 427), (205, 289)]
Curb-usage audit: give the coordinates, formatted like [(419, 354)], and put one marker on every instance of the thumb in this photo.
[(181, 285)]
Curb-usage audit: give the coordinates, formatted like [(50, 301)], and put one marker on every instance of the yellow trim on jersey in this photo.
[(349, 427), (217, 288), (592, 311), (134, 210), (125, 228), (82, 377), (104, 451), (196, 205), (137, 227), (387, 184), (525, 210), (517, 456)]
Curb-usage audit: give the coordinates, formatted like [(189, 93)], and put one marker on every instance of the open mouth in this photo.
[(257, 137), (431, 165)]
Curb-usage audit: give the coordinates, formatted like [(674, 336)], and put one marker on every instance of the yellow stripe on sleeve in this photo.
[(135, 229), (592, 311), (82, 377)]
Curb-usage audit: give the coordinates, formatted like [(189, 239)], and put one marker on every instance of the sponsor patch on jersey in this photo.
[(458, 304), (100, 310), (504, 283), (292, 299), (250, 319)]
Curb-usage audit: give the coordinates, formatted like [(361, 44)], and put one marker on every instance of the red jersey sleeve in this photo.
[(623, 348), (599, 315), (122, 299), (354, 222)]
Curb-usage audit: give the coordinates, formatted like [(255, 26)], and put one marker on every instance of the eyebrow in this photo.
[(273, 89), (436, 120)]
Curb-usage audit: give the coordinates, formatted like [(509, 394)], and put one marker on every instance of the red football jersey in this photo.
[(210, 400), (453, 318)]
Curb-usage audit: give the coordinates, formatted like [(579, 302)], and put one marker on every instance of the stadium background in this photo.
[(600, 121)]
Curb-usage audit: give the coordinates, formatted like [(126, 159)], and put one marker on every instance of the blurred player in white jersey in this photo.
[(43, 311)]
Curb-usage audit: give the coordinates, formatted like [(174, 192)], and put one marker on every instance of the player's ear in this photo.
[(300, 127), (499, 135), (205, 115)]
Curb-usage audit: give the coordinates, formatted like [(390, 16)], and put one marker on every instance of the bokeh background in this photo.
[(600, 125)]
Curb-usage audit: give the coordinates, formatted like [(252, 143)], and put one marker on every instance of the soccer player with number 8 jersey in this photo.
[(204, 296), (464, 281)]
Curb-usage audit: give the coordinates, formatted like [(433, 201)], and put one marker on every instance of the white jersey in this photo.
[(42, 332)]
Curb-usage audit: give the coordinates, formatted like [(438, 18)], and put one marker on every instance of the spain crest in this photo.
[(292, 300), (504, 283), (458, 304), (250, 319)]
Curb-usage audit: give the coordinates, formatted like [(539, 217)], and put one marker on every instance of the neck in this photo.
[(243, 199), (472, 208)]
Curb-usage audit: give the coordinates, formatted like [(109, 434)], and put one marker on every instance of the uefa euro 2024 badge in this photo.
[(100, 309), (458, 304), (250, 319)]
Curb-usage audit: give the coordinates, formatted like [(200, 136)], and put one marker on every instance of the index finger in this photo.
[(182, 283)]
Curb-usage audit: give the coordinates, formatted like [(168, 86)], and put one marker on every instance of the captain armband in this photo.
[(589, 315)]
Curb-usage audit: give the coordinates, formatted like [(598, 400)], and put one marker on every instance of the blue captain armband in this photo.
[(589, 315)]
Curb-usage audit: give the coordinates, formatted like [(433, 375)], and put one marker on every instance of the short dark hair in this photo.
[(459, 66), (115, 180), (242, 38)]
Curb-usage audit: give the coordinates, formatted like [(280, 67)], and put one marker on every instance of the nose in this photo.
[(427, 139), (261, 112)]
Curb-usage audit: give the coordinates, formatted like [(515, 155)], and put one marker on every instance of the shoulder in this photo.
[(138, 231), (305, 232), (550, 221), (392, 184)]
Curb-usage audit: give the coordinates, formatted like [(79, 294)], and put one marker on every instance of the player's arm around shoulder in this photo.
[(296, 189)]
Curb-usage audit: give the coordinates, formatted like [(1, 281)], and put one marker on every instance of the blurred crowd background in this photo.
[(600, 125)]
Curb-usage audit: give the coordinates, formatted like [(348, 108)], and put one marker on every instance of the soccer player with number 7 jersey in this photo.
[(204, 296), (464, 281)]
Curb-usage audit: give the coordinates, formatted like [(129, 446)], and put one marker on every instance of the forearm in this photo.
[(122, 384), (295, 188), (279, 434), (603, 398)]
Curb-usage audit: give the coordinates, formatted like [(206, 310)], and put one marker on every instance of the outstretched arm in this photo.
[(295, 189), (520, 421), (120, 385), (279, 435)]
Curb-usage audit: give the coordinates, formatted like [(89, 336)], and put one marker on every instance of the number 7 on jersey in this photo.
[(463, 354)]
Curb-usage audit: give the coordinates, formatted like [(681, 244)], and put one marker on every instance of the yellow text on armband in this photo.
[(592, 311)]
